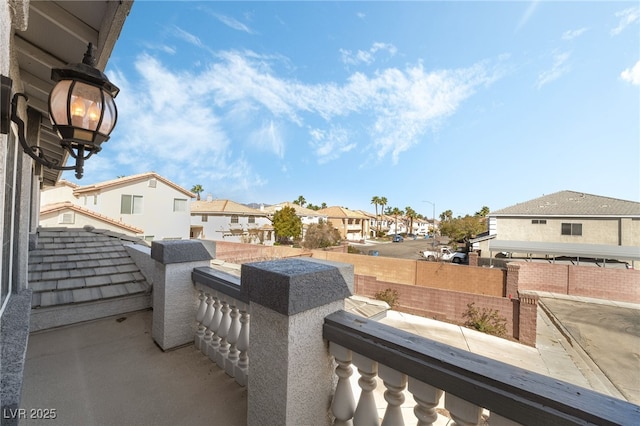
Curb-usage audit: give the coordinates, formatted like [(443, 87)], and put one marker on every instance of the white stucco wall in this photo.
[(157, 218)]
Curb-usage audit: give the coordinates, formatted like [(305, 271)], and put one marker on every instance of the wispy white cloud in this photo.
[(186, 36), (233, 23), (329, 144), (558, 69), (632, 75), (528, 13), (571, 34), (367, 56), (626, 18), (206, 125)]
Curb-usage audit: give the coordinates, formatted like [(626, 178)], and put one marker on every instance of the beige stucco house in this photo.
[(353, 226), (149, 203), (226, 220), (307, 216), (565, 220)]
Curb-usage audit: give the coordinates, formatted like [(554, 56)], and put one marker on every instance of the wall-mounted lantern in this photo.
[(81, 108)]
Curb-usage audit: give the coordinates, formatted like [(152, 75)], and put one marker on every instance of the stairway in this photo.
[(79, 274)]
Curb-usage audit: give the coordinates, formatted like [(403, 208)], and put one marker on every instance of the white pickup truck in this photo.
[(444, 254), (440, 253)]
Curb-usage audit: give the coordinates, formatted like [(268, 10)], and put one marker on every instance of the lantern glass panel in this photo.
[(86, 105), (110, 115), (58, 103)]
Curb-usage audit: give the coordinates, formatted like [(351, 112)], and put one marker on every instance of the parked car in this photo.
[(397, 239)]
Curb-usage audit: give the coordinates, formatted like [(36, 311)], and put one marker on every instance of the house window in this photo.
[(571, 229), (234, 219), (131, 204), (539, 221), (179, 205), (205, 218), (252, 219), (67, 218)]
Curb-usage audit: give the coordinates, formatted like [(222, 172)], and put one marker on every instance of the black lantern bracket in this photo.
[(81, 109)]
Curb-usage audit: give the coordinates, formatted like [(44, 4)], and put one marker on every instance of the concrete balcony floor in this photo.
[(110, 372)]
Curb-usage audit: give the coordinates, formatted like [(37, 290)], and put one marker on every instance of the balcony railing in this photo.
[(302, 339), (222, 320)]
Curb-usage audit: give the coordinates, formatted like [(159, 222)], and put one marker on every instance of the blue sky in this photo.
[(464, 104)]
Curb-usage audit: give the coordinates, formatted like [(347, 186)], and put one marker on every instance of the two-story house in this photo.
[(226, 220), (565, 223), (153, 205), (353, 226), (307, 216)]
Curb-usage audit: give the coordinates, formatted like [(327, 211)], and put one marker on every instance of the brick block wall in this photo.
[(603, 283), (614, 284), (467, 279), (439, 304), (240, 253)]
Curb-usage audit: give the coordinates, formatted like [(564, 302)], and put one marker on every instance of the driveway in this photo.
[(610, 336)]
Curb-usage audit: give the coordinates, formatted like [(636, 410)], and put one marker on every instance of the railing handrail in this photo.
[(223, 282), (512, 392)]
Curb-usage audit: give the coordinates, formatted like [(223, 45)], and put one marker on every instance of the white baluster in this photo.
[(462, 412), (427, 398), (343, 404), (222, 332), (367, 409), (395, 382), (202, 307), (242, 367), (232, 339), (206, 322), (214, 346)]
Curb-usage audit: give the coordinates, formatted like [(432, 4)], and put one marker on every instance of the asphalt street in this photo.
[(408, 249)]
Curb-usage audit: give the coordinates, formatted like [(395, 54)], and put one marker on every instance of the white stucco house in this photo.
[(226, 220), (307, 216), (153, 206)]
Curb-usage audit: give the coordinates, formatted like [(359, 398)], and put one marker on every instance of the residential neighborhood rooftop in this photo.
[(567, 203)]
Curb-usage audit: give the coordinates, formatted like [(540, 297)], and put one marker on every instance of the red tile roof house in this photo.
[(303, 344)]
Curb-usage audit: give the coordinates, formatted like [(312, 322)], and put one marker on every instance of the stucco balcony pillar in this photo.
[(174, 297), (291, 376)]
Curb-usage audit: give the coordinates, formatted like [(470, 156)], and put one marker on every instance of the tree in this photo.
[(411, 214), (462, 228), (484, 211), (197, 189), (376, 202), (321, 235), (300, 201), (395, 212), (287, 224), (383, 202)]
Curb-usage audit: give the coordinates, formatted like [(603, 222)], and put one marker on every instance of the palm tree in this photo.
[(383, 202), (411, 214), (197, 189), (300, 201), (376, 201), (395, 212)]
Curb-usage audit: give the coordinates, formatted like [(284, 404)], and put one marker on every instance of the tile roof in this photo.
[(341, 212), (571, 203), (68, 205), (129, 180), (75, 265), (223, 206), (300, 211)]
